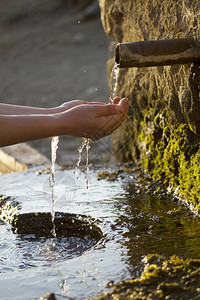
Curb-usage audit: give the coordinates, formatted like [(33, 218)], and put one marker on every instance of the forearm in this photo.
[(10, 109), (93, 121), (16, 129)]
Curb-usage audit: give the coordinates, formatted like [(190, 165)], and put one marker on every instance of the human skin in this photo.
[(76, 118), (10, 109)]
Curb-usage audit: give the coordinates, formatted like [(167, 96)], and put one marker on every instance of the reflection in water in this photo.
[(154, 224), (30, 251), (135, 220)]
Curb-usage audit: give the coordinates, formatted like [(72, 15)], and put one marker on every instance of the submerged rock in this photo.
[(40, 223)]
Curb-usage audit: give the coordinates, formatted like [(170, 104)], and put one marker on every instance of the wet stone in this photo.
[(49, 296), (161, 282), (40, 224), (66, 225)]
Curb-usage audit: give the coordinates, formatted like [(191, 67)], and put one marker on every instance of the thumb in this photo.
[(106, 110), (123, 105)]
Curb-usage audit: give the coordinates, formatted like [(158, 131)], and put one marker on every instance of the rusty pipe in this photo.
[(157, 53)]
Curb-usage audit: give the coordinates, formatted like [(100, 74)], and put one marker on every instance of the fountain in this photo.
[(157, 53)]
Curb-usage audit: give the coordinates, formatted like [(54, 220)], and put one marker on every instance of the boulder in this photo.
[(162, 130)]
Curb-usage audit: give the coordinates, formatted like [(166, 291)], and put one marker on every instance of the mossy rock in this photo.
[(173, 157), (175, 278)]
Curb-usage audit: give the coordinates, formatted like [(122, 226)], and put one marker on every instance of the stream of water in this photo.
[(54, 147), (85, 144), (114, 77)]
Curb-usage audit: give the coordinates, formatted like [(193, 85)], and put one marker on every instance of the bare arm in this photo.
[(85, 120), (11, 109), (22, 128)]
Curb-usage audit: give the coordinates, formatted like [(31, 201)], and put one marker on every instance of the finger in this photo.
[(124, 101), (106, 110), (113, 109), (109, 124), (107, 129), (116, 100), (112, 122), (95, 103)]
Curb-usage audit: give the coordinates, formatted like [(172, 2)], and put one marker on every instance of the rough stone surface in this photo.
[(20, 157), (49, 296), (162, 98), (175, 279)]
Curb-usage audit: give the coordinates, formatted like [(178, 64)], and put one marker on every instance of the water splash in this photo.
[(54, 147), (114, 77), (85, 144)]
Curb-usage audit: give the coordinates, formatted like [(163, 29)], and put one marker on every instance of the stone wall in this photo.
[(162, 130)]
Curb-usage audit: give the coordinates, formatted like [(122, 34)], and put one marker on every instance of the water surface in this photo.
[(135, 222)]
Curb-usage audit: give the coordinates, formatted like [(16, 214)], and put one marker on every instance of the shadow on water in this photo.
[(155, 224)]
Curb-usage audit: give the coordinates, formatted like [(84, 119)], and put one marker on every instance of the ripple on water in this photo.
[(28, 251), (135, 220)]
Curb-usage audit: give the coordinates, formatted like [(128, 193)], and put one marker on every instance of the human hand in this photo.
[(93, 120), (67, 105), (79, 118), (114, 100), (70, 104)]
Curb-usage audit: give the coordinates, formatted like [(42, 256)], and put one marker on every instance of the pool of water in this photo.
[(134, 220)]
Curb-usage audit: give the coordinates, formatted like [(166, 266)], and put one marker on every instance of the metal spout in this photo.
[(157, 53)]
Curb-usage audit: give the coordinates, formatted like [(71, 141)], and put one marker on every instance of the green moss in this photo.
[(151, 273), (174, 278), (170, 157)]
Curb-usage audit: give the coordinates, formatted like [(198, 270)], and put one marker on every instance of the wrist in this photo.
[(60, 123), (51, 110)]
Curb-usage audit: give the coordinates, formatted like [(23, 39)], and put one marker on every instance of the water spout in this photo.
[(157, 53)]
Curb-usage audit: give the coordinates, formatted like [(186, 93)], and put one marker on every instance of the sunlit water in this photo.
[(54, 147), (85, 144), (135, 222), (114, 77)]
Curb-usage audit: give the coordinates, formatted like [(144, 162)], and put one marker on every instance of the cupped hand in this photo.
[(70, 104), (67, 105), (94, 120)]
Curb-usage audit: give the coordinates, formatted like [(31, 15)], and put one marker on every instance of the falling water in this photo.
[(87, 147), (85, 144), (54, 147), (80, 150), (114, 76)]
